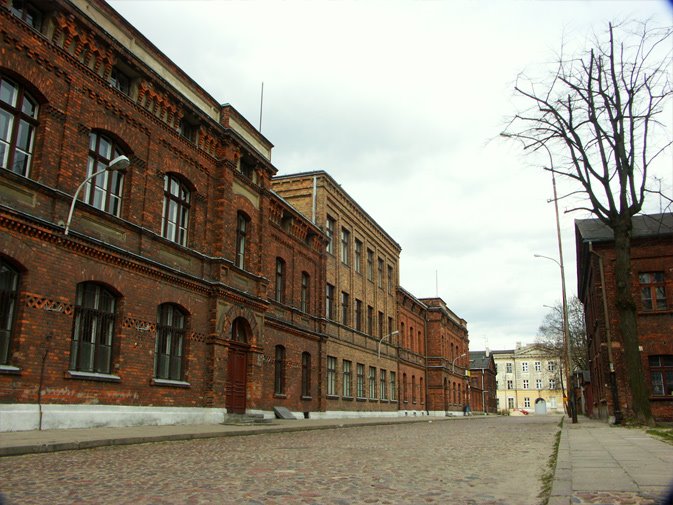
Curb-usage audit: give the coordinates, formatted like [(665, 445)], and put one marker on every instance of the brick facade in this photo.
[(651, 251), (447, 358), (66, 64), (193, 283), (361, 281)]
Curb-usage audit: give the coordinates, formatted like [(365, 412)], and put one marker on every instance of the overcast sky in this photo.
[(402, 103)]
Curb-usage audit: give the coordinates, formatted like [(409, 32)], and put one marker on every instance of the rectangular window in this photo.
[(524, 366), (331, 375), (345, 246), (552, 383), (510, 385), (538, 384), (358, 256), (280, 280), (508, 368), (510, 403), (120, 81), (382, 383), (525, 383), (345, 308), (370, 265), (661, 374), (372, 383), (305, 292), (380, 271), (551, 366), (538, 366), (361, 380), (347, 385), (390, 279), (380, 321), (652, 290), (370, 320), (526, 403), (358, 315), (329, 229), (9, 283), (329, 302), (306, 375), (390, 329), (393, 386)]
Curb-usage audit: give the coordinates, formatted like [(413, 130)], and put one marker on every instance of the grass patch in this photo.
[(665, 434), (547, 479)]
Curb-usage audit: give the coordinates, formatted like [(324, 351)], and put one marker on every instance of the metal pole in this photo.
[(566, 331)]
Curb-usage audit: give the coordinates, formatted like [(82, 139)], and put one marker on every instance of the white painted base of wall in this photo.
[(23, 417)]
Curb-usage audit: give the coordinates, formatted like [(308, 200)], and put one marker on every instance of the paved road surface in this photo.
[(475, 461)]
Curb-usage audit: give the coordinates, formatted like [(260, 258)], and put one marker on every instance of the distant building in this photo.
[(447, 358), (411, 351), (483, 382), (652, 288), (529, 379)]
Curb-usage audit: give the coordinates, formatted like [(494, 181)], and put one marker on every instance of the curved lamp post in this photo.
[(385, 337), (119, 163), (453, 363)]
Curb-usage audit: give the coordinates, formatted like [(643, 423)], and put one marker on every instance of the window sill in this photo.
[(307, 398), (661, 398), (348, 398), (361, 399), (281, 396), (374, 400), (10, 370), (92, 376), (170, 383), (332, 397)]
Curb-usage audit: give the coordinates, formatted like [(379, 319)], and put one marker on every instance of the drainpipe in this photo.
[(608, 337), (314, 198)]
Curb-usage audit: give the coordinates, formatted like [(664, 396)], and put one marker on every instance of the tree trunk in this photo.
[(626, 309)]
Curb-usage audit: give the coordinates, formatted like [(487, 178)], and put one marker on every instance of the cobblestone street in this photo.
[(497, 460)]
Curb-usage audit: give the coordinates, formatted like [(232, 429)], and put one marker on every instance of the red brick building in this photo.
[(447, 358), (482, 386), (652, 286), (153, 268), (412, 345), (184, 288)]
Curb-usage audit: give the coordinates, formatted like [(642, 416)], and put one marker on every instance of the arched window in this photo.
[(239, 330), (9, 285), (413, 389), (175, 216), (93, 329), (170, 341), (280, 280), (242, 225), (104, 191), (405, 398), (18, 120), (279, 375), (305, 291), (306, 374)]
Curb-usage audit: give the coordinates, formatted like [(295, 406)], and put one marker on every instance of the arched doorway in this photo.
[(540, 406), (237, 366)]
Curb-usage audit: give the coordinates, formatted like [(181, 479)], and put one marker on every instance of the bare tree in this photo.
[(597, 118), (550, 333)]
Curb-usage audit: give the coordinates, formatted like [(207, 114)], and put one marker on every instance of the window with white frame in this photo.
[(372, 382), (347, 382), (508, 368), (524, 366), (538, 383), (525, 384), (538, 366), (526, 403)]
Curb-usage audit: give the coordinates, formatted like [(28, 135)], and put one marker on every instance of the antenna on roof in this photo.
[(261, 105), (436, 284)]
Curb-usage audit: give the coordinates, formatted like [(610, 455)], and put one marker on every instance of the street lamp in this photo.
[(453, 363), (119, 163), (385, 337), (566, 332)]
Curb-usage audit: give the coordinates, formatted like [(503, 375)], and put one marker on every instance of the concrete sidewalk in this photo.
[(602, 464), (27, 442)]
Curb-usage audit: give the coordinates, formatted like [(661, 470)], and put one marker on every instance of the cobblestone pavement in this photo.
[(480, 461)]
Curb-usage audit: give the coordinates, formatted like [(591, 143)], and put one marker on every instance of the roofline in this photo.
[(329, 178)]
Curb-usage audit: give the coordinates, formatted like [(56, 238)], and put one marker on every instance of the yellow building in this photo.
[(529, 379)]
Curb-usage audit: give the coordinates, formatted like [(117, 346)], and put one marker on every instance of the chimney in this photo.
[(488, 352), (518, 346)]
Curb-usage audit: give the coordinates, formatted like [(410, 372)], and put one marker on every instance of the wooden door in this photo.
[(237, 371)]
